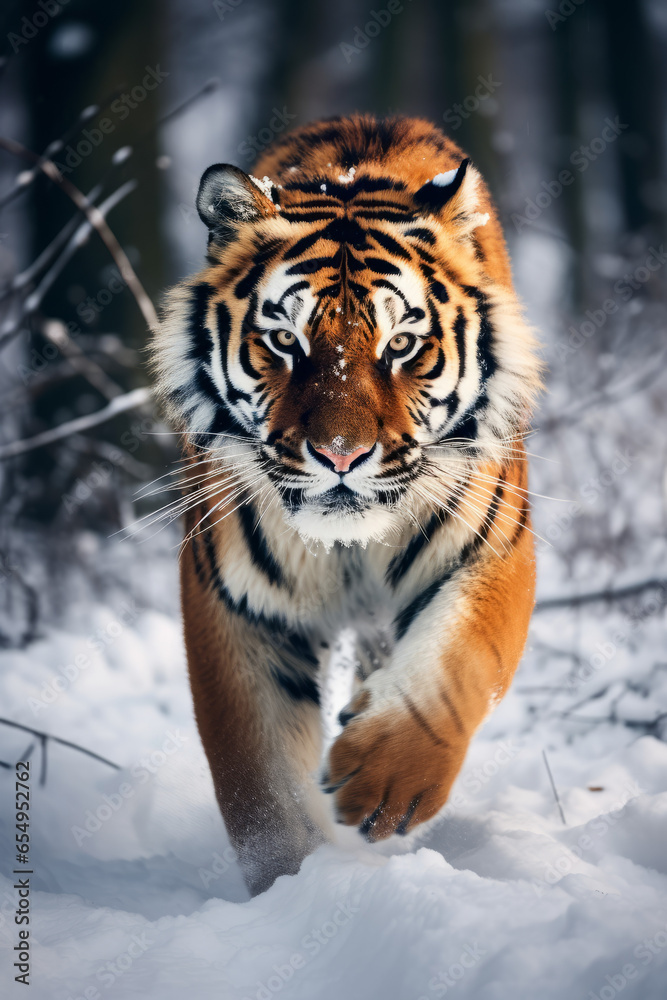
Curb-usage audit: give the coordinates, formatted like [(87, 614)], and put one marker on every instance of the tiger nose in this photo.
[(338, 457)]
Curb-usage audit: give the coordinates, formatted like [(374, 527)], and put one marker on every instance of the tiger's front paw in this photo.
[(391, 770)]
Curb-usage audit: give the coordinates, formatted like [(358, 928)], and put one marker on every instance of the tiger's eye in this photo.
[(399, 342), (285, 337)]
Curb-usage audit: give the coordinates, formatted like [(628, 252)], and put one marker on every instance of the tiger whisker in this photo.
[(200, 477), (430, 498), (183, 465), (178, 507), (520, 490), (484, 514)]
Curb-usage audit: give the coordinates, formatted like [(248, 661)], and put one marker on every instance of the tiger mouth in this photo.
[(342, 500)]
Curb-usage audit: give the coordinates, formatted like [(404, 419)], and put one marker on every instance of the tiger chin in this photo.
[(352, 379)]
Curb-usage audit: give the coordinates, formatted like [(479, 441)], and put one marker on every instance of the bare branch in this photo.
[(98, 221), (56, 739), (56, 332), (130, 400), (574, 600)]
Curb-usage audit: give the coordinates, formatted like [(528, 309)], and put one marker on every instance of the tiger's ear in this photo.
[(453, 197), (227, 197)]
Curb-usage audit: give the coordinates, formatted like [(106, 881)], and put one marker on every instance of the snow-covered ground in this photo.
[(136, 892)]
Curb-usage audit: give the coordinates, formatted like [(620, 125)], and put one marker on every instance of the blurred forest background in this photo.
[(561, 103)]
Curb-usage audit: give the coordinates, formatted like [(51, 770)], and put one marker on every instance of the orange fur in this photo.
[(356, 229)]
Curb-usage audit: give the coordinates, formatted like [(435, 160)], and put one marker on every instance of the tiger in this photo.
[(352, 379)]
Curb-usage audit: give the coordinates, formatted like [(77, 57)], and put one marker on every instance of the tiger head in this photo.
[(355, 333)]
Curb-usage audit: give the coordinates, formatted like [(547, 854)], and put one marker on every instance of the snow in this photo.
[(265, 184), (442, 180), (348, 177), (136, 892)]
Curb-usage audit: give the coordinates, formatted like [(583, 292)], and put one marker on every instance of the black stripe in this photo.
[(491, 512), (460, 326), (458, 722), (465, 427), (376, 203), (277, 632), (485, 356), (305, 243), (359, 290), (389, 243), (379, 266), (255, 539), (345, 192), (201, 341), (224, 332), (385, 215), (299, 686), (425, 235), (427, 256), (400, 565), (405, 618), (521, 524), (347, 231), (199, 569), (245, 286), (293, 289), (437, 369), (313, 264), (402, 827), (422, 722), (245, 362), (307, 216), (439, 291)]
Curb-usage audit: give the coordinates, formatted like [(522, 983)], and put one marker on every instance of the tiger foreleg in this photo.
[(408, 727), (260, 731)]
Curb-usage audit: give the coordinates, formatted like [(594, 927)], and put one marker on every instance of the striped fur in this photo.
[(356, 310)]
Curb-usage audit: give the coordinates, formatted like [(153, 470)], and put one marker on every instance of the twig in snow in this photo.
[(553, 786), (45, 737)]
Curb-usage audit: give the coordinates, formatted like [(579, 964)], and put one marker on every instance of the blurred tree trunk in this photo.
[(94, 54)]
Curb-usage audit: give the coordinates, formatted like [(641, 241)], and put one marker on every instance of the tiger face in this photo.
[(349, 337)]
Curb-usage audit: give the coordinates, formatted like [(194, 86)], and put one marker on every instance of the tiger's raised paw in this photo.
[(391, 771)]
